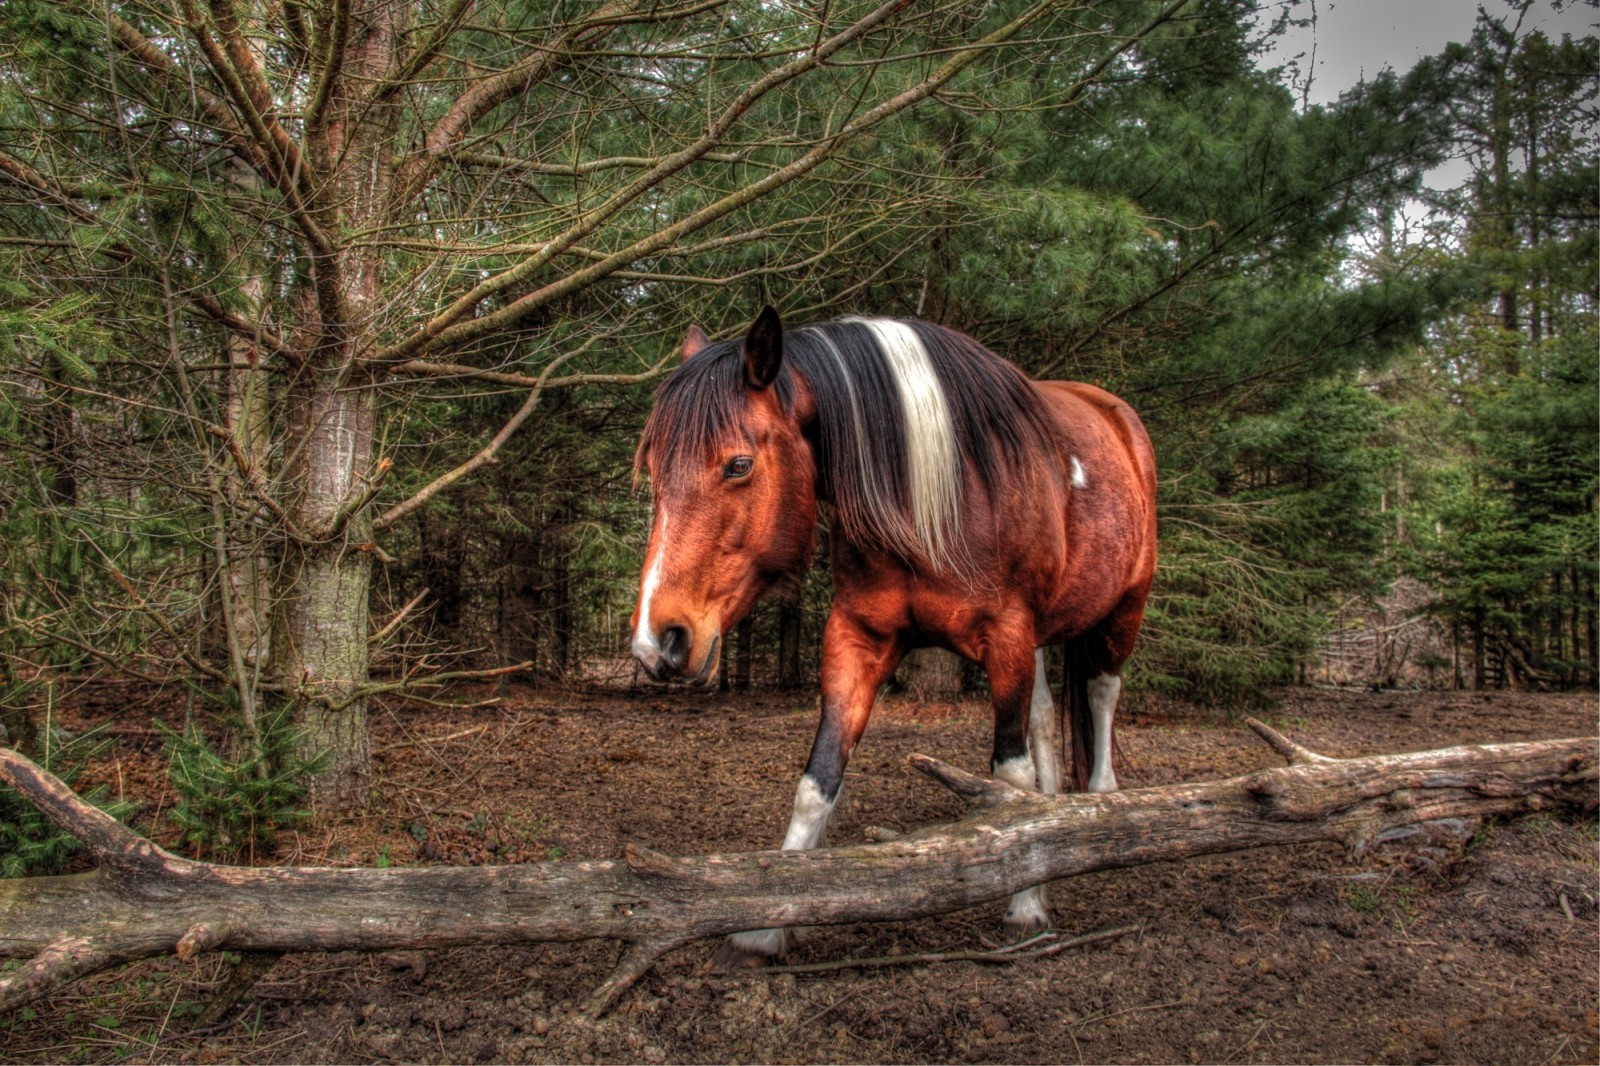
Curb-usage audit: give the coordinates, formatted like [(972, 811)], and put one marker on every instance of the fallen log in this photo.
[(143, 901)]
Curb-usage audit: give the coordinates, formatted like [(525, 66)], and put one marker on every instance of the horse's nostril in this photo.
[(675, 647)]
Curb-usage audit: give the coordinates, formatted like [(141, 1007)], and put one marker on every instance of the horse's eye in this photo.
[(738, 467)]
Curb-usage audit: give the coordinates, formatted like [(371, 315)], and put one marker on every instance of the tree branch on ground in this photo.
[(144, 902)]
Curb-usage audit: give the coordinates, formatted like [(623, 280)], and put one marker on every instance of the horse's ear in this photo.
[(763, 349), (693, 341)]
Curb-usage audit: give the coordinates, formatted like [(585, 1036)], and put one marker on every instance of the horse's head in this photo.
[(734, 482)]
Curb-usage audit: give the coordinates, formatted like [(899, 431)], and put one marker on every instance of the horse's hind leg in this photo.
[(1094, 685), (1024, 756)]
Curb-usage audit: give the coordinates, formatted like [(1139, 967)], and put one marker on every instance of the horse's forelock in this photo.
[(697, 410)]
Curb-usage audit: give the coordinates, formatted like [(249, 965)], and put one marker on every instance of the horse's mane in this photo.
[(903, 409)]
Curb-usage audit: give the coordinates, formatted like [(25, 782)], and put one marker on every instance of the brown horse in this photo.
[(972, 509)]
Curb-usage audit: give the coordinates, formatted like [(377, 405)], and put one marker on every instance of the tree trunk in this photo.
[(742, 662), (443, 550), (931, 674), (1479, 673), (558, 553), (333, 473), (143, 901), (789, 618), (521, 602), (320, 648)]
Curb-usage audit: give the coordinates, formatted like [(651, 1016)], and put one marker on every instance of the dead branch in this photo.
[(143, 901), (1041, 946)]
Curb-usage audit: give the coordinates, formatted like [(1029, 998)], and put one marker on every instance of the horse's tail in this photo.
[(1075, 709)]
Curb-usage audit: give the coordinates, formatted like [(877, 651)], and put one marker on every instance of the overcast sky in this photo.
[(1355, 39)]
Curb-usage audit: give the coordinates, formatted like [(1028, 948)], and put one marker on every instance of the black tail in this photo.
[(1075, 709)]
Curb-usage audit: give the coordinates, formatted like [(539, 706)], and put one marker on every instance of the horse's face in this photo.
[(732, 518)]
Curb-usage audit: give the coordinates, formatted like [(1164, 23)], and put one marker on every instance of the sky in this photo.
[(1355, 39)]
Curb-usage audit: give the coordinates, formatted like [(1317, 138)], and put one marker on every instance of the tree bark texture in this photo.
[(931, 674), (143, 901), (320, 649)]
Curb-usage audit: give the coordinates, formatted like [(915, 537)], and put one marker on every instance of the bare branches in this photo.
[(449, 326), (489, 93), (328, 48), (254, 141), (486, 454)]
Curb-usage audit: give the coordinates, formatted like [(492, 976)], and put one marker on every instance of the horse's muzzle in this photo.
[(664, 659), (668, 658)]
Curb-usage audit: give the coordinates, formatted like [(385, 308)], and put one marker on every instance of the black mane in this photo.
[(999, 422)]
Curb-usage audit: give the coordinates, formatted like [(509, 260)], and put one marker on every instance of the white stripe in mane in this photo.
[(935, 465)]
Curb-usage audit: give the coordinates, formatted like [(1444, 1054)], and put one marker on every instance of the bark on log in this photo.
[(143, 901)]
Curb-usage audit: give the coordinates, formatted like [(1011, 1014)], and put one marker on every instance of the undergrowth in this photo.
[(231, 806), (30, 844)]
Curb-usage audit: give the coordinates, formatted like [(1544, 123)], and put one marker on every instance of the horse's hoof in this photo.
[(1023, 928), (1028, 914), (750, 950)]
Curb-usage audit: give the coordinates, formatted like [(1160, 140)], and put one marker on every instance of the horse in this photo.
[(971, 508)]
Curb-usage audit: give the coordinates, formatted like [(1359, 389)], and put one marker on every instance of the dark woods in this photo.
[(293, 437)]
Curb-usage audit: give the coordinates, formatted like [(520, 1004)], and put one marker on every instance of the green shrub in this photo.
[(30, 844), (232, 808)]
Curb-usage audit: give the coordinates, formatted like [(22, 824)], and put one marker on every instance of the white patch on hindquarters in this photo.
[(1080, 480), (1103, 692), (932, 460), (808, 826), (644, 638)]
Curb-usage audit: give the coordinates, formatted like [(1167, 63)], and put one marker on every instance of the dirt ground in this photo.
[(1286, 955)]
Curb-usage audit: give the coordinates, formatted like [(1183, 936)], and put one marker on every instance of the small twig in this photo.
[(408, 684), (1566, 908), (1019, 951), (416, 741), (824, 1012), (1242, 1048), (399, 619), (1132, 1010), (253, 965), (634, 964)]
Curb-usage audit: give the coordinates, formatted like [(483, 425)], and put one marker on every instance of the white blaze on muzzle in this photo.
[(645, 647)]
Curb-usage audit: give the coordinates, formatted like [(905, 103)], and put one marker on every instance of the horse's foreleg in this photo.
[(1025, 755), (854, 665)]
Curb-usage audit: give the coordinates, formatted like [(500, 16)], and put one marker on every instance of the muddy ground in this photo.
[(1288, 955)]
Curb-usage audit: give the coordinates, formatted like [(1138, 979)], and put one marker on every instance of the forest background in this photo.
[(327, 328)]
